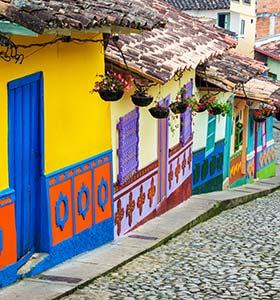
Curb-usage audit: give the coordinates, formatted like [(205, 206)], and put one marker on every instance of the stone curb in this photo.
[(216, 209)]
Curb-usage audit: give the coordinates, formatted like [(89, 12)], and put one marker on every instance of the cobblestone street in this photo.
[(235, 255)]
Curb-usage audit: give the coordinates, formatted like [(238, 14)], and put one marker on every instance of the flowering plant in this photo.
[(180, 104), (263, 112), (197, 105), (114, 82), (218, 108)]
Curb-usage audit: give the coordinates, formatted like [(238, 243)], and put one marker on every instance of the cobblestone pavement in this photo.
[(235, 255)]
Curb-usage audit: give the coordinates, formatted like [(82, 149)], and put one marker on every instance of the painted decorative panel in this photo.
[(136, 201), (8, 243), (235, 168), (61, 211), (180, 167), (208, 169), (83, 201), (128, 155), (103, 192), (266, 157), (80, 197)]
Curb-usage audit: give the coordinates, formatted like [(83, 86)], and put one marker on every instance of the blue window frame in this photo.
[(211, 134)]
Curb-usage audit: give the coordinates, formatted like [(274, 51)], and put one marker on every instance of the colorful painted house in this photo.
[(248, 145), (153, 158), (56, 155)]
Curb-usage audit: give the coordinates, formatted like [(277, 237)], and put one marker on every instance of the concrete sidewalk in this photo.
[(65, 278)]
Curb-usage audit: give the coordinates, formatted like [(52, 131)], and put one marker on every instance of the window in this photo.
[(242, 28), (224, 20), (211, 133), (128, 129), (272, 75), (186, 118), (238, 139), (272, 25)]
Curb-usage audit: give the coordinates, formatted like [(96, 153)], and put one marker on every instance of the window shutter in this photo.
[(210, 144), (128, 153), (186, 118)]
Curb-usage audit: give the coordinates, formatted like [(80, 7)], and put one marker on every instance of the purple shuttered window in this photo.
[(186, 118), (128, 151)]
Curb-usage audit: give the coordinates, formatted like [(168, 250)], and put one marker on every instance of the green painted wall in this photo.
[(267, 172), (274, 67), (239, 182)]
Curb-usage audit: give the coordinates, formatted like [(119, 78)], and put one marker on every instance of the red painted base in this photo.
[(182, 194)]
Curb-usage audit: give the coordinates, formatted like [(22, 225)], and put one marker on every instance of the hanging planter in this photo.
[(199, 107), (109, 95), (215, 110), (216, 107), (178, 107), (140, 98), (159, 112), (263, 112), (111, 86)]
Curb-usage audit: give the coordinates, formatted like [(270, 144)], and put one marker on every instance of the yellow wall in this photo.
[(247, 12), (148, 125), (77, 123)]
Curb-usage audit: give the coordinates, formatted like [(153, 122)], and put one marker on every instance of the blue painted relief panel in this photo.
[(206, 169)]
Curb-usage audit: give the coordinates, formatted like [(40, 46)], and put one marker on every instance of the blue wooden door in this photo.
[(25, 159)]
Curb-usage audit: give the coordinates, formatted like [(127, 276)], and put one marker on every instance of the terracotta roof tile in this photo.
[(230, 70), (242, 75), (261, 89), (183, 44), (200, 4), (44, 15), (271, 49)]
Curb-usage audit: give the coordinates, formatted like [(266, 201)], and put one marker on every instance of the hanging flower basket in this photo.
[(140, 98), (159, 112), (200, 107), (262, 113), (111, 86), (109, 95), (215, 110), (178, 107)]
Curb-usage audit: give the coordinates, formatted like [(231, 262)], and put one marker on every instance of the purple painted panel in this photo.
[(186, 118), (128, 151)]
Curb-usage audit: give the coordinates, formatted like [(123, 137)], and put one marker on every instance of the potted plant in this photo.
[(140, 97), (159, 112), (263, 112), (197, 105), (259, 116), (180, 105), (111, 86), (217, 108)]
